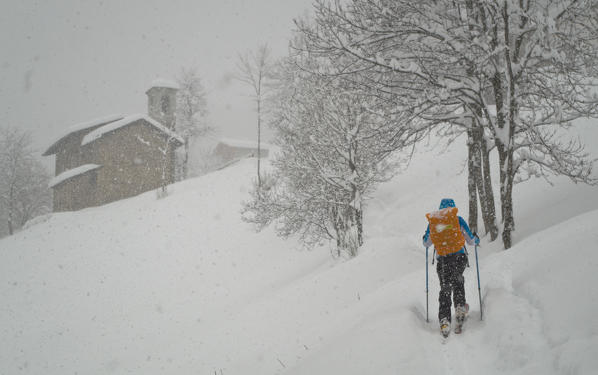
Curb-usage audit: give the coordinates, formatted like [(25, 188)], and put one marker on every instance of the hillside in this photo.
[(181, 285)]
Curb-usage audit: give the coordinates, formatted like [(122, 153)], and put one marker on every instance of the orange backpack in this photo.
[(445, 231)]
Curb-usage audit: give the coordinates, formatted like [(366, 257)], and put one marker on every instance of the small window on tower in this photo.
[(165, 104)]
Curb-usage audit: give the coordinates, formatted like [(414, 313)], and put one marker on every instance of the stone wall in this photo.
[(132, 162), (70, 154), (77, 192)]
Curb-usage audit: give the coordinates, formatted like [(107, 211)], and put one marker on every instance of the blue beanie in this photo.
[(446, 202)]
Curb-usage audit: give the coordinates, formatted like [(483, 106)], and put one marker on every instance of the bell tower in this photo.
[(161, 102)]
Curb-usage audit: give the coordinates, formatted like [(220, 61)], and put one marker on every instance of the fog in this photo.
[(70, 61)]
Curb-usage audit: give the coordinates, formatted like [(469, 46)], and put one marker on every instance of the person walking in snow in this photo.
[(448, 232)]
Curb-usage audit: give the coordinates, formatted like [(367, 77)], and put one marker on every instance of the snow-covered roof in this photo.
[(242, 143), (72, 173), (163, 82), (91, 123), (99, 132), (82, 126)]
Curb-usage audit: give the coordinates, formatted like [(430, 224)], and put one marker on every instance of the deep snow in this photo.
[(181, 285)]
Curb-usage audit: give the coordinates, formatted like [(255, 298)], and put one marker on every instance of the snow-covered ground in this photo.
[(181, 285)]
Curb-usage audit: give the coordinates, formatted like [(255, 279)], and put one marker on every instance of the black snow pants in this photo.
[(450, 273)]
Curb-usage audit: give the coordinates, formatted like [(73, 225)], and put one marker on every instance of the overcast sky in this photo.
[(67, 61)]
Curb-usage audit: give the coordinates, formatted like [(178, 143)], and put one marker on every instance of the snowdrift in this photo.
[(181, 285)]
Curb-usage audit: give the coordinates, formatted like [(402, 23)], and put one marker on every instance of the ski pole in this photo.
[(427, 320), (479, 288)]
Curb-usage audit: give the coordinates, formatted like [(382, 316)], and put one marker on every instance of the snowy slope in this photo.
[(182, 285), (140, 285), (539, 296)]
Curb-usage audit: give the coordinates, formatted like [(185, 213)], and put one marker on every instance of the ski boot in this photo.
[(460, 314), (445, 327)]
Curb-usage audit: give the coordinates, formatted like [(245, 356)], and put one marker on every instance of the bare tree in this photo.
[(191, 116), (519, 69), (254, 69), (168, 164), (423, 76), (24, 191), (334, 150), (543, 74)]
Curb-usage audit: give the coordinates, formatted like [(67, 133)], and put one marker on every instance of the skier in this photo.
[(448, 232)]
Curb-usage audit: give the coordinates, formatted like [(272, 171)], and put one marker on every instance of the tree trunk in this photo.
[(336, 223), (511, 59), (259, 135), (509, 218), (185, 171), (352, 237), (11, 197), (359, 216), (506, 194), (482, 178), (167, 161), (472, 176), (483, 181), (348, 225), (507, 184), (505, 203), (488, 205)]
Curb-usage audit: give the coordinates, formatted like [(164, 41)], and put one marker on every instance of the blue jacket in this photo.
[(469, 237)]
